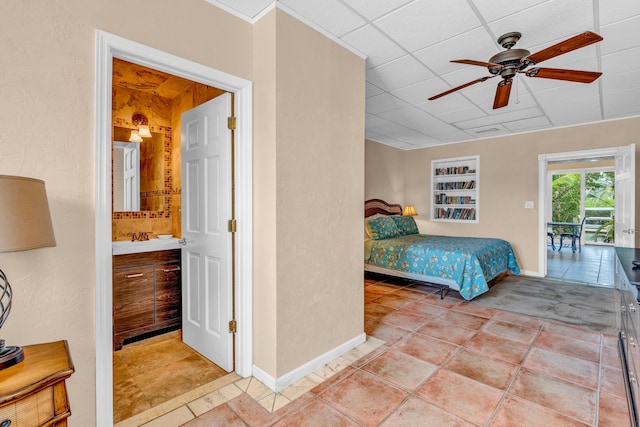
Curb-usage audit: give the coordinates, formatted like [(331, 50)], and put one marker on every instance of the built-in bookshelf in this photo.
[(455, 189)]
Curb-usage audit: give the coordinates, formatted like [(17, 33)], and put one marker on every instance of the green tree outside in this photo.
[(599, 193)]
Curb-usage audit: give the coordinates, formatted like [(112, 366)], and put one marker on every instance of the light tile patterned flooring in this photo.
[(443, 363), (594, 265)]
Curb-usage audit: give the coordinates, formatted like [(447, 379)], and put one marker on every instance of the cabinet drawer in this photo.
[(39, 409), (133, 295), (168, 291)]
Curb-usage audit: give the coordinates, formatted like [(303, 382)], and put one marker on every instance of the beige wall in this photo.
[(319, 193), (309, 181), (47, 132), (508, 177)]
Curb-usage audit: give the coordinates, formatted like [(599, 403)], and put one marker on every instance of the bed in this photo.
[(394, 247)]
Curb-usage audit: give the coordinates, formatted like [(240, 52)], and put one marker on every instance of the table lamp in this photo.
[(25, 223), (409, 210)]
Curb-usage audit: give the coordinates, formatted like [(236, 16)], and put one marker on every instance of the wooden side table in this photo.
[(33, 392)]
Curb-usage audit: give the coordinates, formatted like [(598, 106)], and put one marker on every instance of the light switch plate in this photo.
[(528, 204)]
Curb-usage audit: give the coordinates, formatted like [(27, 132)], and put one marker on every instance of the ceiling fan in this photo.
[(508, 63)]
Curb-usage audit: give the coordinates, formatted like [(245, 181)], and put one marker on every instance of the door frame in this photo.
[(543, 186), (109, 46)]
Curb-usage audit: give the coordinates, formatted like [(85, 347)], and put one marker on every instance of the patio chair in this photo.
[(552, 235), (575, 234)]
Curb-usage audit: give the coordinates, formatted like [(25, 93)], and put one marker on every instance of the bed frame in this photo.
[(379, 206)]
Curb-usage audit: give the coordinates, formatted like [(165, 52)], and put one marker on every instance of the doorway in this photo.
[(109, 46), (592, 187)]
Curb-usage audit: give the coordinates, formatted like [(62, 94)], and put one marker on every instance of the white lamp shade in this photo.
[(135, 136), (25, 221), (143, 131)]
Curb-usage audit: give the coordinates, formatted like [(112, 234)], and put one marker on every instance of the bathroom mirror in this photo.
[(140, 173)]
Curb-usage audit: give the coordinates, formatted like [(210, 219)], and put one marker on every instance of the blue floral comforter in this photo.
[(469, 261)]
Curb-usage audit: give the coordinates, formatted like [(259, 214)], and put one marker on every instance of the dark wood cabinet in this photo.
[(147, 293), (628, 282)]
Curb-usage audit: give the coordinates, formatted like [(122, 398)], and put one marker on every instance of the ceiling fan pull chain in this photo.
[(517, 91)]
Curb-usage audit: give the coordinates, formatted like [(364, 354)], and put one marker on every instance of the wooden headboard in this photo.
[(378, 206)]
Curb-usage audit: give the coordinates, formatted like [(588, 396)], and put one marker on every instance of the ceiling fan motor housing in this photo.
[(510, 62)]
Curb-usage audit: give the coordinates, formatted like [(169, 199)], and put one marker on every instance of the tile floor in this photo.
[(436, 362), (594, 265), (153, 371)]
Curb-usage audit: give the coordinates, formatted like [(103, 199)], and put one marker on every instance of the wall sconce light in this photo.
[(25, 224), (409, 210), (135, 136), (141, 122)]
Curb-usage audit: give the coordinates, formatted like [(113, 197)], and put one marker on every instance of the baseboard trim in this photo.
[(531, 273), (280, 383)]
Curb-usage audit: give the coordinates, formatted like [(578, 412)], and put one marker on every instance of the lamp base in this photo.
[(10, 356)]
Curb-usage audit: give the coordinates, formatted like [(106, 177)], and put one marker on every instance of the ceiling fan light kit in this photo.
[(510, 62)]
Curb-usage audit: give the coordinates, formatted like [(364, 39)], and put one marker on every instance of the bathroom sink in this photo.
[(122, 247)]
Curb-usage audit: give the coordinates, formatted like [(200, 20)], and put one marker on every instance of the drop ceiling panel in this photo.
[(475, 44), (547, 23), (493, 10), (410, 43), (383, 102), (498, 118), (331, 15), (622, 35), (613, 11), (540, 122), (624, 104), (378, 48), (426, 22), (419, 92), (375, 9), (398, 73)]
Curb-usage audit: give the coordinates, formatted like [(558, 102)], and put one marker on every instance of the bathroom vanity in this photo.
[(146, 290)]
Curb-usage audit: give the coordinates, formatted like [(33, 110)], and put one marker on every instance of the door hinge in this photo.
[(231, 123), (232, 226), (233, 326)]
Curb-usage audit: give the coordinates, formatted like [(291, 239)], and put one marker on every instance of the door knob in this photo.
[(183, 241)]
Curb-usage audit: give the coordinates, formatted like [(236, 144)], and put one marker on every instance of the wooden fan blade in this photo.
[(502, 94), (474, 62), (562, 74), (440, 95), (573, 43)]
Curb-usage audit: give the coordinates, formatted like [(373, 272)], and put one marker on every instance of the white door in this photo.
[(625, 197), (206, 209)]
